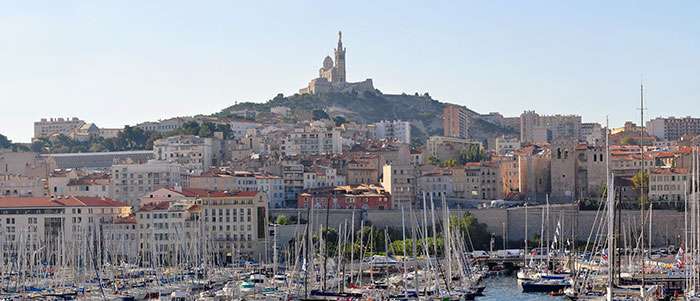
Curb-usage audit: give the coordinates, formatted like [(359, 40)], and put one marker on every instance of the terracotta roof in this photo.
[(190, 192), (71, 201), (223, 194), (668, 171)]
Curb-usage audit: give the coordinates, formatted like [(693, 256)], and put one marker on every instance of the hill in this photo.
[(424, 113)]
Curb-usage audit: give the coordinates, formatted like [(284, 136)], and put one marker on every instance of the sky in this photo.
[(118, 63)]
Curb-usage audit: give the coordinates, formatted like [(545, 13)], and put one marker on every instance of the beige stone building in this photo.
[(19, 186), (400, 180), (668, 185)]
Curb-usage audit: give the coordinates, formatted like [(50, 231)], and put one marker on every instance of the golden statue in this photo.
[(340, 35)]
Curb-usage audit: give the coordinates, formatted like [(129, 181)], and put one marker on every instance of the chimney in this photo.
[(178, 188)]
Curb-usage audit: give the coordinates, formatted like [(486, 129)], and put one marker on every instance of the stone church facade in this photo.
[(331, 77)]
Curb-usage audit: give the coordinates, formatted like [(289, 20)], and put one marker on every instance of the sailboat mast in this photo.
[(641, 180)]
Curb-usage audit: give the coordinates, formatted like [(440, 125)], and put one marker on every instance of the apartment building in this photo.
[(668, 184), (236, 222), (466, 181), (455, 122), (365, 197), (393, 130), (121, 240), (307, 142), (19, 186), (164, 126), (435, 183), (401, 182), (320, 176), (192, 152), (47, 127), (131, 181), (673, 128), (362, 171), (38, 222)]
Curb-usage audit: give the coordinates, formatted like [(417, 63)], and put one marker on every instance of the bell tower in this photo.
[(340, 60)]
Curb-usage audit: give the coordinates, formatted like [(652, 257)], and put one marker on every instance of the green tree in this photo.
[(319, 114), (276, 155), (628, 141), (339, 120), (433, 160), (416, 142), (281, 220), (4, 142), (450, 163), (471, 154)]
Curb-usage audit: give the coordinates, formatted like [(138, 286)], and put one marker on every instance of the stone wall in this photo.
[(667, 225)]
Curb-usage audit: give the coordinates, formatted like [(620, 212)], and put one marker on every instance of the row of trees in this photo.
[(467, 155), (373, 240), (131, 138)]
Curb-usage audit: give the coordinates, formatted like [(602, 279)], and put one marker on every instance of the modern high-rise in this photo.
[(455, 121), (529, 120)]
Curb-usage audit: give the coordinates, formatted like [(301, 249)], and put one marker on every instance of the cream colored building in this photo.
[(401, 182), (307, 142), (47, 127), (18, 186), (45, 224), (668, 184), (131, 181), (192, 152)]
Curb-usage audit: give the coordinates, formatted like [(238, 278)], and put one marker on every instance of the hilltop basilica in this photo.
[(331, 77)]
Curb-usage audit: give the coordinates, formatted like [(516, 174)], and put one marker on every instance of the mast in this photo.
[(641, 180)]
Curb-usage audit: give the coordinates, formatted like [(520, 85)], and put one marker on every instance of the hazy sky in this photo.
[(122, 62)]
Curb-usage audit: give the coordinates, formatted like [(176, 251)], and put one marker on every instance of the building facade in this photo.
[(455, 122)]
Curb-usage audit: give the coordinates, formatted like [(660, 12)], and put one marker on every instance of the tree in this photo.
[(433, 160), (319, 114), (4, 142), (450, 163), (416, 142), (205, 132), (281, 220), (471, 154), (276, 155), (637, 182), (628, 141), (339, 120)]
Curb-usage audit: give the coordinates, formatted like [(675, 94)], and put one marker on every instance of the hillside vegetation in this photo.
[(424, 112)]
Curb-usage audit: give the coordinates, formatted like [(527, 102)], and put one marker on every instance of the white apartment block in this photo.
[(131, 181), (164, 126), (303, 142), (192, 152), (18, 186), (395, 130), (271, 186), (46, 127), (239, 127), (673, 128)]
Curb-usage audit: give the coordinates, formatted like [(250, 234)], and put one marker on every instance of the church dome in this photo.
[(327, 62)]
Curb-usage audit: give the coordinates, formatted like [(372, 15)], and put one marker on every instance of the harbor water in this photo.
[(507, 288)]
